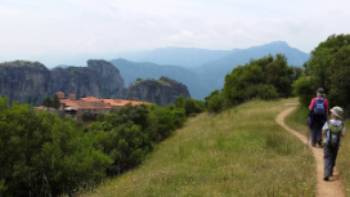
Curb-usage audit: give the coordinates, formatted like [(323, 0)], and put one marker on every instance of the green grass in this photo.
[(298, 120), (343, 161), (240, 152)]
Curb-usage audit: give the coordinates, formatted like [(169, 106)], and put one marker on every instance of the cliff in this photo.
[(31, 82), (99, 78), (163, 91), (24, 81)]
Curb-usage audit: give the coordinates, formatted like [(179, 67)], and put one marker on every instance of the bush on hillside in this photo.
[(215, 101), (129, 133), (265, 78), (121, 134), (304, 87), (164, 120), (44, 155), (191, 106)]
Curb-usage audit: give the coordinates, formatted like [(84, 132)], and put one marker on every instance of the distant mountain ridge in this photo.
[(184, 57), (201, 70), (215, 71), (131, 71), (197, 57)]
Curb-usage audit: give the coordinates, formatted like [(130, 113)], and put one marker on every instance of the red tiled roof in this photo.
[(93, 103)]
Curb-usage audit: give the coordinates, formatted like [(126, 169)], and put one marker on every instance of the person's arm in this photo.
[(312, 103), (325, 128), (343, 131), (326, 105), (324, 131)]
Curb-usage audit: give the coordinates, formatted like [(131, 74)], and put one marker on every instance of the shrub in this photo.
[(261, 91), (304, 87), (43, 155), (164, 120), (215, 102), (265, 78), (191, 106), (129, 133), (53, 102)]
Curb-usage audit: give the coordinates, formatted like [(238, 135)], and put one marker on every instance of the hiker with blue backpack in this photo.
[(317, 117), (332, 130)]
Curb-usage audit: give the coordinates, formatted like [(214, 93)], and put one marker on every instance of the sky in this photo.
[(61, 31)]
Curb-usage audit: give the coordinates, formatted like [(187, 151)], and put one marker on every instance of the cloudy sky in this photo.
[(52, 30)]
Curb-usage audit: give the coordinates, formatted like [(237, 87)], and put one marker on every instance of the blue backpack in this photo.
[(319, 108)]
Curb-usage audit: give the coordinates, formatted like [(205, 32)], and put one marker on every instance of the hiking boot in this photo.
[(326, 178)]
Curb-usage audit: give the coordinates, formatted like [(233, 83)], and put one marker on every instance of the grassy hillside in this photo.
[(298, 121), (343, 162), (241, 152)]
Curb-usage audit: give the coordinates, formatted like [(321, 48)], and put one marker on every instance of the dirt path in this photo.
[(324, 189)]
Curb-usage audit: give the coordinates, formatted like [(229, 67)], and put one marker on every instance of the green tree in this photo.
[(329, 67), (43, 155), (215, 101), (265, 78), (53, 102), (191, 106)]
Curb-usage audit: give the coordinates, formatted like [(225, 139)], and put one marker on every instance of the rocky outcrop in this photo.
[(99, 78), (24, 81), (163, 91), (31, 82)]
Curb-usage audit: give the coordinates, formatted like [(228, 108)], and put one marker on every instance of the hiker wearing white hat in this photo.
[(332, 130)]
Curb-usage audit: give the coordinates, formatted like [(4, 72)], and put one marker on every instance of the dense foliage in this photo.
[(191, 106), (265, 78), (42, 154), (129, 133), (215, 102), (329, 67), (53, 102)]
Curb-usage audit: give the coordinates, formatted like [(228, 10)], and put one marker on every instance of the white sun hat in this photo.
[(337, 111)]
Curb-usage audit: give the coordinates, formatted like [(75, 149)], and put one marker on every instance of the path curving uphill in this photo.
[(324, 189)]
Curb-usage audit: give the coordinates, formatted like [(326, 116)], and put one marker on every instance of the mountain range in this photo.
[(202, 70)]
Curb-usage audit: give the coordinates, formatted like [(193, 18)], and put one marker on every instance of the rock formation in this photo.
[(24, 81), (31, 82), (163, 91), (99, 78)]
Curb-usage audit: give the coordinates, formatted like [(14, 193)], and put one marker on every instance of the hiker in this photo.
[(333, 130), (317, 117)]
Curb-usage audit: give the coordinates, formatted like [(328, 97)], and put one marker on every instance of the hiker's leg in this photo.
[(320, 130), (327, 161), (334, 157), (319, 136), (334, 152), (314, 136)]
